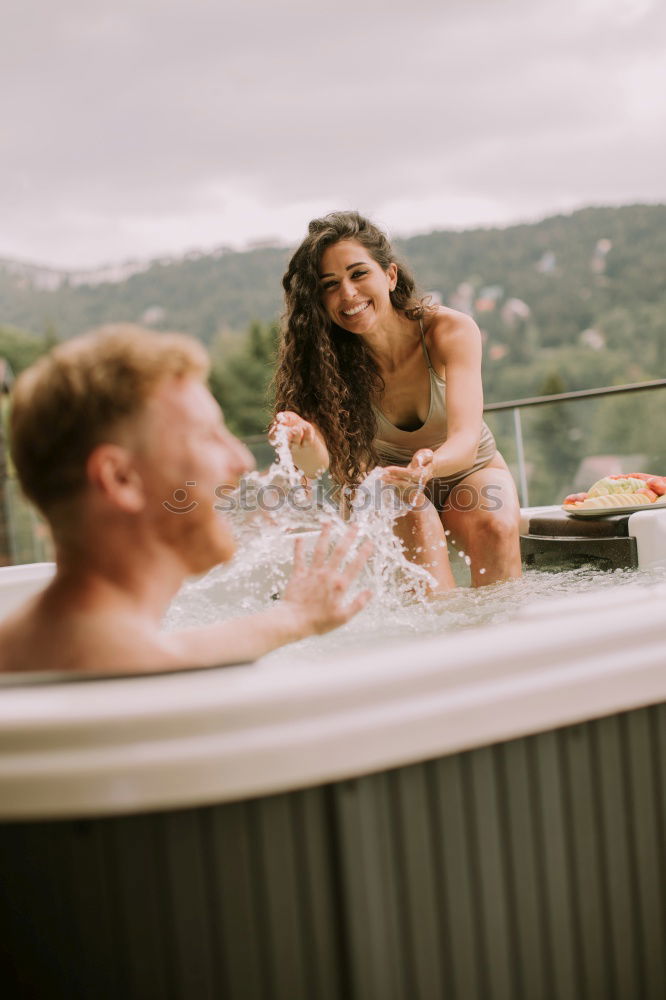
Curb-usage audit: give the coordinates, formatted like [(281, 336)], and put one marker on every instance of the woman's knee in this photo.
[(421, 513), (420, 521), (499, 529)]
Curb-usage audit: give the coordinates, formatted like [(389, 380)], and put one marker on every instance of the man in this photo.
[(110, 431)]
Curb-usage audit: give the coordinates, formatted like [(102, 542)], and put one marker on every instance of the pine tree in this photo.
[(241, 383)]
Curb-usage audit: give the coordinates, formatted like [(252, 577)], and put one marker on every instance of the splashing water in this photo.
[(393, 578), (373, 509), (269, 509)]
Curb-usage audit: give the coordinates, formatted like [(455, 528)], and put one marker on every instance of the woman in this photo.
[(369, 374)]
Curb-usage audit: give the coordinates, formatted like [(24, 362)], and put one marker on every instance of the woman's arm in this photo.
[(455, 346), (306, 443)]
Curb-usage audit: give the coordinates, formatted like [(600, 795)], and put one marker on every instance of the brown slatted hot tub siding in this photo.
[(530, 869)]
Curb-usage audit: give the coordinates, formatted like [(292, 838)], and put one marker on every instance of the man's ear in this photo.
[(112, 471)]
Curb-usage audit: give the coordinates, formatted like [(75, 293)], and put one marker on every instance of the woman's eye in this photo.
[(359, 274), (329, 284)]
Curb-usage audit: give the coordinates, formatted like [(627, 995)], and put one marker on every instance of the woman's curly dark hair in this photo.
[(325, 373)]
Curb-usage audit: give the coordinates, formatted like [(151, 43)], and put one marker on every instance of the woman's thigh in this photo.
[(483, 516), (422, 536), (490, 490)]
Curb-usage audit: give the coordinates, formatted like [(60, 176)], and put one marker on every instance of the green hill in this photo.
[(200, 296), (548, 265), (571, 302)]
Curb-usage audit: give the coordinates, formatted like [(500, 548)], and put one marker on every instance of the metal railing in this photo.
[(28, 538), (516, 405)]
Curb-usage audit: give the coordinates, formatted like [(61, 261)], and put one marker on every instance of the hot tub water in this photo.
[(273, 507)]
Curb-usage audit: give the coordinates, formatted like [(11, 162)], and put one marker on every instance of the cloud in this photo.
[(153, 126)]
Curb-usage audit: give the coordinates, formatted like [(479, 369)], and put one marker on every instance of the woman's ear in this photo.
[(111, 470), (392, 273)]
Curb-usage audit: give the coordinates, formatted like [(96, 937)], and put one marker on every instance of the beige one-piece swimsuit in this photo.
[(397, 447)]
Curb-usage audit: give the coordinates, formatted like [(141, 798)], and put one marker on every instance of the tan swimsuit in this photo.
[(397, 447)]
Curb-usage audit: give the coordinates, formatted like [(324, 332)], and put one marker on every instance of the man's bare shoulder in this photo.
[(90, 644)]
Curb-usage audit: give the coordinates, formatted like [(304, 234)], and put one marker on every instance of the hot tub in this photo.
[(475, 815)]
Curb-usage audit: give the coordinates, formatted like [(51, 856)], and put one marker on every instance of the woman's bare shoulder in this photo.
[(447, 329), (442, 319)]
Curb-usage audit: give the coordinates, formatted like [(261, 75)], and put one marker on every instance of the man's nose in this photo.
[(247, 459), (237, 458), (243, 458)]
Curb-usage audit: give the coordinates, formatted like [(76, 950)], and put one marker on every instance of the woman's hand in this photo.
[(318, 594), (299, 431), (305, 442), (410, 480)]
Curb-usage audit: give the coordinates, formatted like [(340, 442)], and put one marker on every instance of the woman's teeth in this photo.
[(354, 312)]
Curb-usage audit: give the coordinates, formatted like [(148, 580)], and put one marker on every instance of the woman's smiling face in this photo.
[(354, 288)]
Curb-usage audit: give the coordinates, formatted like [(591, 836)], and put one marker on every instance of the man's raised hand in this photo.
[(318, 591)]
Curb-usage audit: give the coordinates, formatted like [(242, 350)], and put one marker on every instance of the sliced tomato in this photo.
[(632, 475), (575, 497), (658, 485)]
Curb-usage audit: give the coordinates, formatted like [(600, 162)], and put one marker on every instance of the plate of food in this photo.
[(618, 495)]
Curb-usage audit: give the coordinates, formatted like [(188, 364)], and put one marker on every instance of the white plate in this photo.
[(606, 511)]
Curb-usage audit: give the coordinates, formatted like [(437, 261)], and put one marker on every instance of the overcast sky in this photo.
[(146, 127)]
